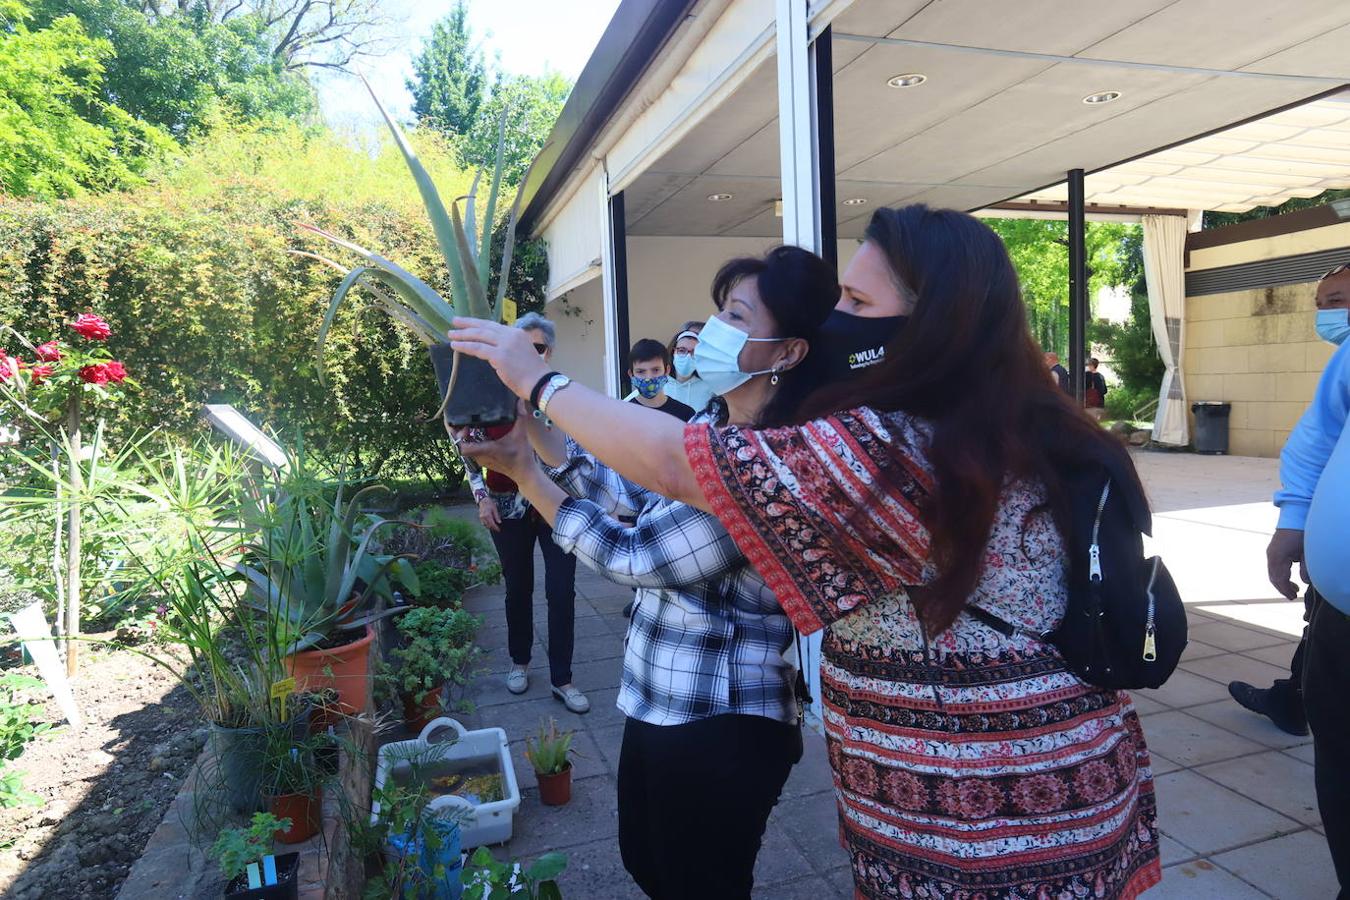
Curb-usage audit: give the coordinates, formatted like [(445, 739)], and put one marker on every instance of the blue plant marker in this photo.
[(269, 870), (254, 880)]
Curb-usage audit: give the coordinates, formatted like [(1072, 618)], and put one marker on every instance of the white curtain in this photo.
[(1164, 273)]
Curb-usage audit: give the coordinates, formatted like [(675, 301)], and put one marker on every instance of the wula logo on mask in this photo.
[(850, 344), (861, 359)]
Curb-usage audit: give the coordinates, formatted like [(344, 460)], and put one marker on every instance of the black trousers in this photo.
[(1326, 682), (1288, 692), (694, 800), (515, 545)]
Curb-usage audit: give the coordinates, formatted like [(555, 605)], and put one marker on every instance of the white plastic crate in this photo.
[(489, 823)]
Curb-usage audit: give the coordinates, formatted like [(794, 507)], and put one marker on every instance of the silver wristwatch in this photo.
[(555, 384)]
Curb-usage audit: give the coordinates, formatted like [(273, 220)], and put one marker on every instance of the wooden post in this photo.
[(73, 537)]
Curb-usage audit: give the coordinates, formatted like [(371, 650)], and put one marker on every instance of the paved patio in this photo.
[(1235, 794)]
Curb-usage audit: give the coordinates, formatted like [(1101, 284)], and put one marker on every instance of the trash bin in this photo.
[(1211, 426)]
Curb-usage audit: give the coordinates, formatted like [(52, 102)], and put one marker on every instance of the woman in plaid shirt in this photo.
[(712, 729)]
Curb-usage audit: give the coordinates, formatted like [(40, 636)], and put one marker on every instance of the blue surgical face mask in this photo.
[(1333, 325), (684, 364), (718, 356), (648, 388)]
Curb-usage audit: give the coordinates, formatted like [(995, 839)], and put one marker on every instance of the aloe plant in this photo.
[(317, 572), (465, 248)]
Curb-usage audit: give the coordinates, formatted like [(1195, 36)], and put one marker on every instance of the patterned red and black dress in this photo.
[(968, 766)]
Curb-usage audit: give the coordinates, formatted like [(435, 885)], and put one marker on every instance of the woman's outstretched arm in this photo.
[(643, 445)]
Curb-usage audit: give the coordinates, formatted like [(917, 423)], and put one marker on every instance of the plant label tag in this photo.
[(254, 879), (283, 688), (269, 870), (508, 312)]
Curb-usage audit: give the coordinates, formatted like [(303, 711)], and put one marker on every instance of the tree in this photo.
[(174, 71), (1134, 352), (58, 136), (303, 34), (532, 104), (1039, 249), (449, 76)]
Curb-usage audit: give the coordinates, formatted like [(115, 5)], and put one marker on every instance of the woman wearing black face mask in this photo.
[(869, 313)]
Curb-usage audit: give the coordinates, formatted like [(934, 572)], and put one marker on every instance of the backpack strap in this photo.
[(1002, 625)]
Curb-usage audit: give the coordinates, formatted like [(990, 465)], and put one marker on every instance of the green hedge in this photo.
[(208, 304)]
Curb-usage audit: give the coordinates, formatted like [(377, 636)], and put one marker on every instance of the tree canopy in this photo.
[(174, 70), (450, 76), (58, 135), (531, 104)]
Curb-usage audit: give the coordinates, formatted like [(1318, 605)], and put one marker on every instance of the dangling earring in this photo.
[(774, 380)]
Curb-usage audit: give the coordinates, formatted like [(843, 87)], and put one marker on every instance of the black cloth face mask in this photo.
[(851, 344)]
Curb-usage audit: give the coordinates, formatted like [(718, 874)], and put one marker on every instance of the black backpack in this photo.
[(1125, 625)]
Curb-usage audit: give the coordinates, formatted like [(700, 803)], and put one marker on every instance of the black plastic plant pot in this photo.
[(480, 399), (286, 888)]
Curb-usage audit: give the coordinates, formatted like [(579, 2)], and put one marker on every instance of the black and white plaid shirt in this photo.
[(707, 636)]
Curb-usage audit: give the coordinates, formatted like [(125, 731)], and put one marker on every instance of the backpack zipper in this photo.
[(1095, 550), (1150, 632)]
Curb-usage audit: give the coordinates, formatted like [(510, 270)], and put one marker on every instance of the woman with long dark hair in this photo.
[(967, 762), (712, 726)]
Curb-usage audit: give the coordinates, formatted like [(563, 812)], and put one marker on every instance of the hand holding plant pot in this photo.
[(549, 753), (472, 394)]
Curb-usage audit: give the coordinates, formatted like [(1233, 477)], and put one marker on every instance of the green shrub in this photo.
[(208, 304), (439, 649), (19, 725)]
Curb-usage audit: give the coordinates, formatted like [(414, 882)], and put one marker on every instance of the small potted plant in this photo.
[(246, 862), (437, 648), (538, 881), (314, 571), (293, 782), (548, 754)]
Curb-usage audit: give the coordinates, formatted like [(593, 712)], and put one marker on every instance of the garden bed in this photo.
[(103, 789)]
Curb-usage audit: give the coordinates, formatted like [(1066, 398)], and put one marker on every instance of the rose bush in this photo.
[(41, 391)]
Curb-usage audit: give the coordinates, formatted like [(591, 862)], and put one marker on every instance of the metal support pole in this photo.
[(1078, 287), (822, 70), (618, 232)]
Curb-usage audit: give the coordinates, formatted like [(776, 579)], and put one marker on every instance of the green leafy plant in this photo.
[(19, 725), (549, 751), (289, 763), (406, 835), (441, 585), (495, 880), (465, 247), (314, 570), (439, 648), (236, 848)]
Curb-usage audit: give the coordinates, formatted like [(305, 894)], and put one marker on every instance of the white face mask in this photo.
[(1333, 325), (718, 356)]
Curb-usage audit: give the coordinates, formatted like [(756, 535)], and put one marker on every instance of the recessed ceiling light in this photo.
[(913, 79), (718, 198), (1101, 97), (856, 201)]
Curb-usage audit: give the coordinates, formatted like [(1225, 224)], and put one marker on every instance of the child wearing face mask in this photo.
[(649, 371)]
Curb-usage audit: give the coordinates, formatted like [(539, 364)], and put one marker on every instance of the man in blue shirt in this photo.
[(1314, 502)]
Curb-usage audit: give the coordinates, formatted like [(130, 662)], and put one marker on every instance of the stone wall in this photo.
[(1258, 350)]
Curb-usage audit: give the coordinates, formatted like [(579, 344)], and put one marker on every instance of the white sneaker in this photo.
[(573, 699), (517, 681)]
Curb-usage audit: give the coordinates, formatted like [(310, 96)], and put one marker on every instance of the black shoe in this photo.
[(1258, 700), (628, 610)]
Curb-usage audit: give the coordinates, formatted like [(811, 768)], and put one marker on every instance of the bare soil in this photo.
[(105, 788)]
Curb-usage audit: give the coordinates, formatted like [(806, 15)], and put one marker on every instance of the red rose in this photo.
[(91, 326), (116, 371), (49, 352), (41, 371), (95, 374), (9, 366)]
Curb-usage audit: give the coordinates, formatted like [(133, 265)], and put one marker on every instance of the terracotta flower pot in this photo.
[(419, 711), (305, 812), (555, 790), (350, 668)]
